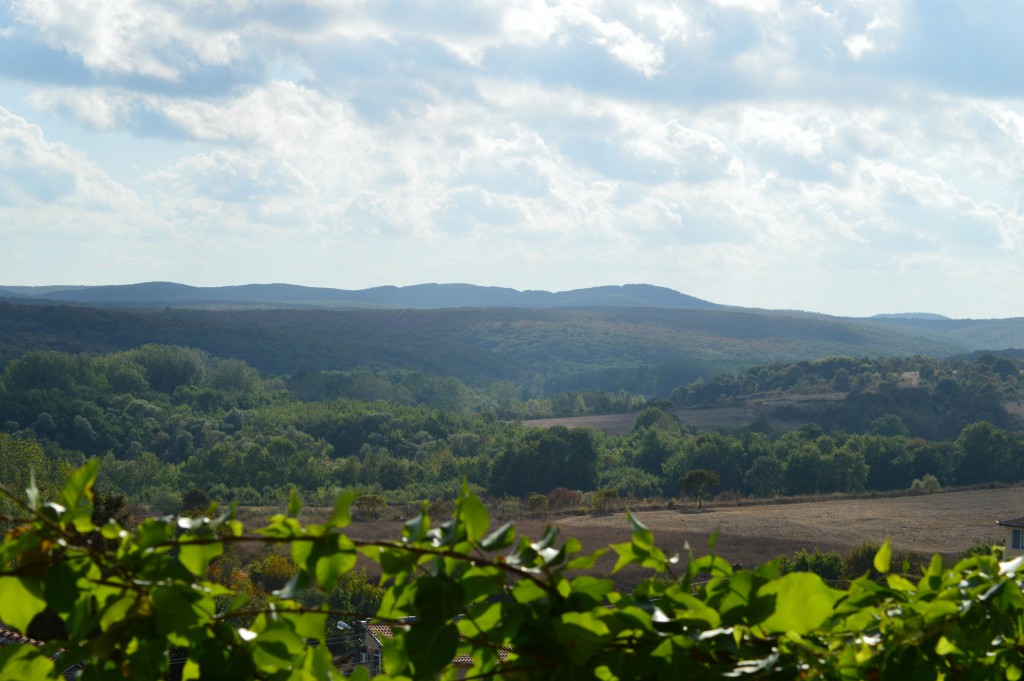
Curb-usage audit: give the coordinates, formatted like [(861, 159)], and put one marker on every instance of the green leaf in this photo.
[(592, 587), (437, 599), (196, 557), (883, 558), (21, 599), (946, 647), (472, 513), (20, 662), (115, 608), (627, 555), (802, 602), (713, 565), (416, 528), (294, 587), (294, 504), (342, 514), (32, 491), (582, 634), (76, 496), (500, 539), (276, 646), (308, 625), (180, 607), (360, 674), (641, 535), (326, 558), (430, 648), (526, 591)]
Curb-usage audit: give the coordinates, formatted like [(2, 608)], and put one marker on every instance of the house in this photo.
[(1014, 537)]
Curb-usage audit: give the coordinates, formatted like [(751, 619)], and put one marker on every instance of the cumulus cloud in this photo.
[(34, 171), (127, 36), (747, 151)]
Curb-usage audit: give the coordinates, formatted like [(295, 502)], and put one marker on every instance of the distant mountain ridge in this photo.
[(420, 296), (911, 315)]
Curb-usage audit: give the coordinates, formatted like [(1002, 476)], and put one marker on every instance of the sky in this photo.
[(848, 157)]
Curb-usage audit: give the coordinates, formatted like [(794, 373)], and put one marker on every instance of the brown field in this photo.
[(944, 522), (736, 416), (703, 419)]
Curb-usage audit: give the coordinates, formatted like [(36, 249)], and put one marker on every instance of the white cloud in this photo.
[(748, 151), (858, 45), (127, 36), (36, 172), (231, 178)]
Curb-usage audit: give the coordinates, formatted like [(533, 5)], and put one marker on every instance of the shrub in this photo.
[(605, 500), (371, 506), (929, 483), (561, 498), (827, 565), (538, 505), (195, 501), (164, 501), (272, 570)]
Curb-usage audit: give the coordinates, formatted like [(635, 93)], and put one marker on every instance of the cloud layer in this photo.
[(849, 157)]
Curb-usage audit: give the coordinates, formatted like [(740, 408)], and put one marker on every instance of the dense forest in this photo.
[(168, 419), (647, 351)]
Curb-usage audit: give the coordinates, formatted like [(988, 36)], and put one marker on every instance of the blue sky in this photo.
[(853, 157)]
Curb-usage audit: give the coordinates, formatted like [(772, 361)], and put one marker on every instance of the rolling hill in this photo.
[(641, 338), (421, 296)]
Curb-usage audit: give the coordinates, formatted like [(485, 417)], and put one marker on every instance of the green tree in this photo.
[(984, 453), (766, 477), (698, 483)]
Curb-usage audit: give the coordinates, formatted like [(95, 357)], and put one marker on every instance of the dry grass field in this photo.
[(944, 522)]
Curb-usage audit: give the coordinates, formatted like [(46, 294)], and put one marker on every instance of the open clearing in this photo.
[(710, 418), (702, 418)]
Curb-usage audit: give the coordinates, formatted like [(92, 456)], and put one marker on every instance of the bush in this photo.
[(163, 501), (371, 506), (195, 501), (538, 505), (828, 565), (272, 570), (861, 560), (560, 499), (604, 500), (928, 484)]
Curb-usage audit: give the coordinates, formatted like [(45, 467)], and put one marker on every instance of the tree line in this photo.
[(165, 419)]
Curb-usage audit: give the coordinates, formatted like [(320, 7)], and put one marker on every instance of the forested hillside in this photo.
[(167, 418), (642, 350), (166, 429)]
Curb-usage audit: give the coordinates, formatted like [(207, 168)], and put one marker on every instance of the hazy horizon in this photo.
[(851, 158)]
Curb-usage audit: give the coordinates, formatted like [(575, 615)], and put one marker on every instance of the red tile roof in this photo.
[(8, 637), (384, 631)]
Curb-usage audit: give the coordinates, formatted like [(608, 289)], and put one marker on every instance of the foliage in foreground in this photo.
[(128, 598)]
